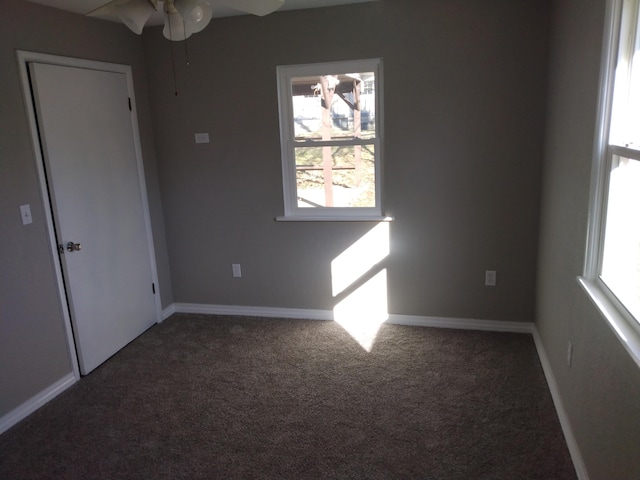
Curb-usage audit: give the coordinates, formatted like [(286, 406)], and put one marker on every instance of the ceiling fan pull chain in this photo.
[(173, 61), (186, 48)]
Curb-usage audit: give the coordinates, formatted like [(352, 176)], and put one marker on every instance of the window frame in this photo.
[(623, 323), (288, 144)]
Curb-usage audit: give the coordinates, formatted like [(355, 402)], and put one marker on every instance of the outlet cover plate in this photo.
[(490, 278), (237, 271), (201, 137)]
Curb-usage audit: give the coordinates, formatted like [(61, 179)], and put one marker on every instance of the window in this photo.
[(612, 269), (330, 134)]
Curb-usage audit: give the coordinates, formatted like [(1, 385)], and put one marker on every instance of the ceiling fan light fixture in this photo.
[(134, 14), (182, 18), (195, 13), (174, 28)]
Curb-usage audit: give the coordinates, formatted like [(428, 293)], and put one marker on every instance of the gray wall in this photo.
[(601, 390), (33, 346), (465, 83), (465, 104)]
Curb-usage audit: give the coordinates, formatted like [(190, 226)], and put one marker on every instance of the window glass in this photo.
[(612, 263), (616, 254), (351, 112), (625, 118), (330, 137), (621, 253), (351, 175)]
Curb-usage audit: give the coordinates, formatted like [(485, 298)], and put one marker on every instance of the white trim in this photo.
[(334, 143), (624, 152), (269, 312), (167, 312), (572, 444), (144, 197), (622, 326), (27, 408), (334, 218), (395, 319), (460, 323), (599, 174), (23, 58)]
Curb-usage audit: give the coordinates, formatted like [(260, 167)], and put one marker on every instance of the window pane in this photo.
[(331, 132), (329, 107), (625, 121), (347, 181), (621, 258)]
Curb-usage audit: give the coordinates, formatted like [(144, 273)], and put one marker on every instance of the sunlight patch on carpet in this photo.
[(363, 312)]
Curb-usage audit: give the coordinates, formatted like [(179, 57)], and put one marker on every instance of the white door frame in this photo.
[(24, 58)]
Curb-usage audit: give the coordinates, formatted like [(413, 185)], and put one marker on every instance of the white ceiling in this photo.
[(85, 6)]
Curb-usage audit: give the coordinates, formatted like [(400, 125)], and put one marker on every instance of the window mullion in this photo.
[(624, 152), (334, 142)]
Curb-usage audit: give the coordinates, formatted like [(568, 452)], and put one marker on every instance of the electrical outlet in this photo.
[(490, 278), (201, 137), (235, 268), (569, 353), (25, 213)]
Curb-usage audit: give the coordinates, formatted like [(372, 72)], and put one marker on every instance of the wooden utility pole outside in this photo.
[(357, 129), (327, 85)]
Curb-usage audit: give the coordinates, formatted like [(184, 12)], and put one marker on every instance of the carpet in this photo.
[(216, 397)]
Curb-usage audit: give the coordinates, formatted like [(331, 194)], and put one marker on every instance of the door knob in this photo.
[(73, 247)]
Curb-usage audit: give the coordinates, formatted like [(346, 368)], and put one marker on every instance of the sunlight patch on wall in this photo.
[(360, 257), (358, 271)]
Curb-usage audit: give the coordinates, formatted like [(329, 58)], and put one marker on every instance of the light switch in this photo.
[(202, 137), (25, 213)]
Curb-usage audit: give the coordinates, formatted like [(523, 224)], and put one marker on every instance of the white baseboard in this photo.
[(268, 312), (35, 402), (396, 319), (460, 323), (167, 312), (572, 444)]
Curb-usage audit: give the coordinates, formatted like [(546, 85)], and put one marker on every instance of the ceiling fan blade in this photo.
[(133, 13), (106, 10), (254, 7)]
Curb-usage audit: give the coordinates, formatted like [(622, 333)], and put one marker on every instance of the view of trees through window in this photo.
[(334, 140)]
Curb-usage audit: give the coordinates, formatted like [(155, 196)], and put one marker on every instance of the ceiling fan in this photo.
[(182, 18)]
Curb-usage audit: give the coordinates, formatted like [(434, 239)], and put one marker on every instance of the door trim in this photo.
[(24, 58)]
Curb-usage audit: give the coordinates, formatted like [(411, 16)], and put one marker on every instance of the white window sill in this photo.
[(334, 218), (617, 320)]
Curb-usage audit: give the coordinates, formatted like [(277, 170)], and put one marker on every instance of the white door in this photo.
[(86, 133)]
